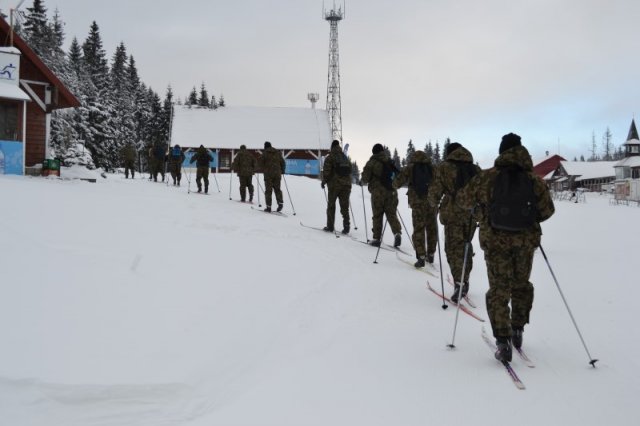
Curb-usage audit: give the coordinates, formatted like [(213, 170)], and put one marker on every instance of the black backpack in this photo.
[(343, 165), (464, 172), (513, 203), (389, 171), (422, 176)]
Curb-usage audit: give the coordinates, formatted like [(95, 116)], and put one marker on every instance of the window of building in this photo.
[(8, 122)]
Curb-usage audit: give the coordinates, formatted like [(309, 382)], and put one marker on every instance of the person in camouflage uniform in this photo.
[(508, 254), (450, 176), (202, 158), (273, 167), (159, 156), (128, 155), (378, 174), (423, 214), (176, 158), (339, 182), (245, 166)]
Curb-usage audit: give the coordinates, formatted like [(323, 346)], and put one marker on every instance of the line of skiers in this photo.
[(508, 202)]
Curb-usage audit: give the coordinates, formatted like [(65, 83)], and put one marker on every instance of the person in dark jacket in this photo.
[(336, 173), (159, 157), (273, 167), (202, 158), (245, 166), (176, 157), (508, 253), (128, 155), (378, 174)]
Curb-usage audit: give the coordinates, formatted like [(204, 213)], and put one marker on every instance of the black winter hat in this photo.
[(377, 148), (335, 143), (451, 147), (267, 144), (243, 147), (509, 141)]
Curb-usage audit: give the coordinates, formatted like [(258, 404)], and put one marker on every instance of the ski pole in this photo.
[(230, 181), (405, 230), (444, 301), (380, 245), (259, 189), (289, 194), (353, 217), (216, 179), (467, 247), (592, 361), (364, 212)]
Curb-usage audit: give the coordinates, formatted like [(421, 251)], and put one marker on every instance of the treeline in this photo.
[(202, 99), (116, 106)]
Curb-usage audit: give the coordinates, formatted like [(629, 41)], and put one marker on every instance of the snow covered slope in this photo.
[(126, 302)]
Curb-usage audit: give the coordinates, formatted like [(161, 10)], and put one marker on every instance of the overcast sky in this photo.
[(553, 71)]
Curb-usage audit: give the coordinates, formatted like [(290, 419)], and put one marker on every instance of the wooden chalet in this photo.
[(29, 92), (547, 165), (303, 135)]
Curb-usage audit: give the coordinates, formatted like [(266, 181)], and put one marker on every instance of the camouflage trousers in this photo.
[(202, 173), (272, 184), (245, 182), (424, 222), (384, 203), (176, 172), (509, 272), (129, 166), (342, 194), (157, 166), (455, 237)]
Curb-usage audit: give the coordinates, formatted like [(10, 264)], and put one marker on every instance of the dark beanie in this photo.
[(335, 143), (267, 144), (243, 147), (377, 148), (509, 141), (451, 147)]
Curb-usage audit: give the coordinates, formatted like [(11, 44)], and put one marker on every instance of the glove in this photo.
[(322, 184)]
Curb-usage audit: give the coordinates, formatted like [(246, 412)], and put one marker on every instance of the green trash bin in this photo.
[(51, 167)]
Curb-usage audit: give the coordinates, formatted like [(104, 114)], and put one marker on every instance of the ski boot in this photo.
[(420, 263), (280, 206), (503, 351), (397, 240), (516, 336), (375, 243), (268, 209), (326, 228)]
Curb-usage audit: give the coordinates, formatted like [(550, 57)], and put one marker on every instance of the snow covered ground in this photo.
[(126, 302)]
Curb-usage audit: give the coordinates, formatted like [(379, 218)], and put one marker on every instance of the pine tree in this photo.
[(582, 158), (36, 28), (203, 100), (607, 145), (221, 103), (429, 150), (447, 142), (193, 97), (396, 159), (436, 154), (410, 150)]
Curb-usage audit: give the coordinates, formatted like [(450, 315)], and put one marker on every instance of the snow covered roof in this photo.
[(589, 169), (632, 142), (13, 92), (629, 162), (230, 127)]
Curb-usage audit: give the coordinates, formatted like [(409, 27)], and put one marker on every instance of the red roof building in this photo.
[(547, 165), (29, 92)]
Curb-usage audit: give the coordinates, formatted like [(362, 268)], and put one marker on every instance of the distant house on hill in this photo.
[(303, 135), (628, 169), (590, 175), (547, 165), (29, 92)]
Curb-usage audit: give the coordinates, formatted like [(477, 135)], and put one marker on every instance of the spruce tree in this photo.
[(396, 159), (203, 100), (437, 158), (193, 97), (221, 103), (410, 150), (36, 28)]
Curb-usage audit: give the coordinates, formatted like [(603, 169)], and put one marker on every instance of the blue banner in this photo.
[(11, 158), (303, 167), (189, 154)]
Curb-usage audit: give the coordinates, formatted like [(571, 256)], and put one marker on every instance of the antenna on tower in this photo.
[(313, 97), (334, 103)]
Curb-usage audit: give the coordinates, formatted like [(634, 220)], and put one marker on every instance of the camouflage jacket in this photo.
[(244, 164), (443, 188), (406, 176), (479, 192), (128, 153), (373, 171), (272, 163), (202, 158), (329, 174)]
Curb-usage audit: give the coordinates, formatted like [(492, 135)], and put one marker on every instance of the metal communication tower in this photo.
[(334, 104)]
